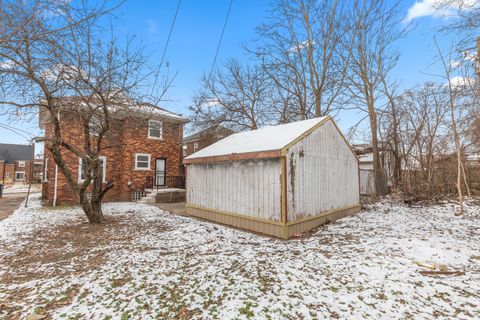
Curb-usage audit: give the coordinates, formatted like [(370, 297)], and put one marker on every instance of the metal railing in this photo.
[(162, 182)]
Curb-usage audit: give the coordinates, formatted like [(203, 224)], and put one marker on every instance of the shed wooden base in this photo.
[(272, 228)]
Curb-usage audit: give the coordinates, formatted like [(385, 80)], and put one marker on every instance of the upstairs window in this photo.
[(155, 129), (21, 164), (142, 161), (195, 147), (184, 151)]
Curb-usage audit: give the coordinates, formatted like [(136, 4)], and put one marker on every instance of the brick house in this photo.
[(203, 139), (16, 163), (140, 151)]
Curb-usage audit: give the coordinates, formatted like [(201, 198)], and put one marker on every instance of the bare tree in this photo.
[(300, 48), (233, 97), (454, 95), (374, 27), (73, 69)]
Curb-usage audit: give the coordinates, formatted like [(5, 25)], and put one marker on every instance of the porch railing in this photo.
[(154, 182)]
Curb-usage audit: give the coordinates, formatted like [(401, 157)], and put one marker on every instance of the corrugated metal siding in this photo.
[(251, 187), (322, 174)]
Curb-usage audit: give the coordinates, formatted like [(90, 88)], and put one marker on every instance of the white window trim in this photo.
[(21, 164), (149, 161), (104, 171), (195, 146), (161, 130), (45, 171), (19, 172)]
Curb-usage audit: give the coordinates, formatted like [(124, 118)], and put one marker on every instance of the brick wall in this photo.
[(126, 138), (9, 173), (205, 140)]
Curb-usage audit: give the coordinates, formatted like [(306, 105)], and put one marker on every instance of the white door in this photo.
[(160, 166)]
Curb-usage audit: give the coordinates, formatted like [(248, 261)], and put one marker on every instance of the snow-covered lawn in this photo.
[(146, 263), (21, 188)]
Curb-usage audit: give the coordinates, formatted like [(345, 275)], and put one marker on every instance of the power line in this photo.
[(166, 44), (17, 131), (170, 32), (219, 42)]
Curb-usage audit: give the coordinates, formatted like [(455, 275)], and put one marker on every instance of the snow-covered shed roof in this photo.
[(266, 141)]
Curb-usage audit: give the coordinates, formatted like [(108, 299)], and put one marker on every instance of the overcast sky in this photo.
[(198, 27)]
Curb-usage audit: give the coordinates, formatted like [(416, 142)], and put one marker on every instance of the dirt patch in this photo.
[(8, 204), (71, 250), (81, 247)]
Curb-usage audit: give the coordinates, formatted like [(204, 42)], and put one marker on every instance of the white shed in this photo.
[(279, 180)]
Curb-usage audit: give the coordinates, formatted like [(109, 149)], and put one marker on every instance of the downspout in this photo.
[(55, 187)]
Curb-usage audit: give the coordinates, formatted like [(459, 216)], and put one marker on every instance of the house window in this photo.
[(82, 167), (195, 147), (142, 161), (184, 151), (137, 195), (155, 129), (21, 164), (45, 173), (19, 175)]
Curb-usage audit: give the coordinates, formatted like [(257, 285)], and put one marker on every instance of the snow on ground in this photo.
[(20, 188), (146, 263)]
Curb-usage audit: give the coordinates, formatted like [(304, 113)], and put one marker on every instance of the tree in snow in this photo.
[(56, 49)]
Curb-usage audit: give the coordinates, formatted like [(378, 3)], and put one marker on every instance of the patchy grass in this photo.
[(145, 263)]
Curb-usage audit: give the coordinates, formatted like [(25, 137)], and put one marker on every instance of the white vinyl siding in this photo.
[(322, 174), (251, 188), (155, 129), (142, 161)]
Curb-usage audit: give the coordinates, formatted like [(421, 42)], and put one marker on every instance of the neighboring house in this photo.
[(367, 176), (280, 180), (37, 175), (15, 163), (472, 159), (204, 138), (141, 150)]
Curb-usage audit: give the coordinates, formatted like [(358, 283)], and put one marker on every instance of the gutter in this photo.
[(55, 187)]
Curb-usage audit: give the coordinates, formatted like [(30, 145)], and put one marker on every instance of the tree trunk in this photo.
[(93, 210), (92, 207), (377, 168)]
